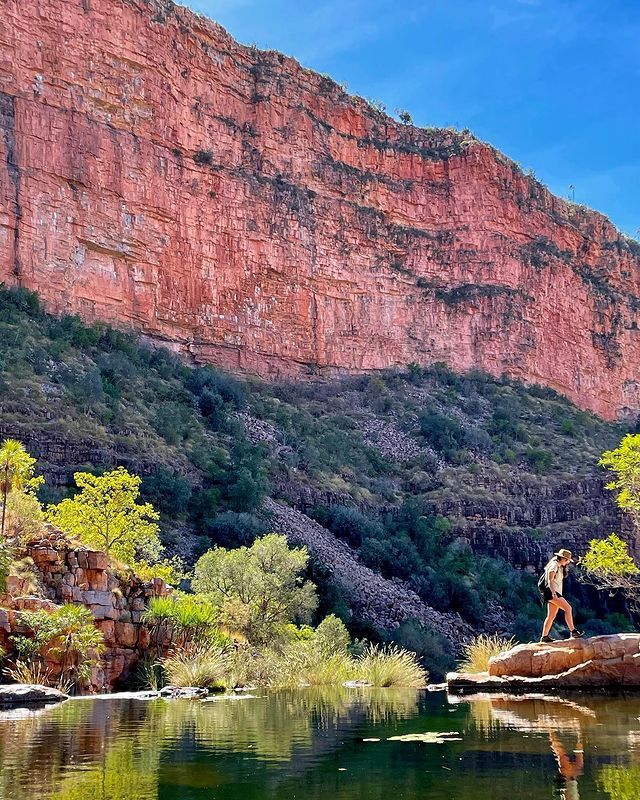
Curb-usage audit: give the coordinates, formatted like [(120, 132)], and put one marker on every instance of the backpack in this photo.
[(542, 583)]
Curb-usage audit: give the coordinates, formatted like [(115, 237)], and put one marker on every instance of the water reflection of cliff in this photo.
[(119, 750), (603, 729)]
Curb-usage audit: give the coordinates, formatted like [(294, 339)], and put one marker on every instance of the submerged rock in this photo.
[(183, 692), (27, 694), (356, 684), (600, 662)]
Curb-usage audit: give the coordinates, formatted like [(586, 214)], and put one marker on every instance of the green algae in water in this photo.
[(325, 743)]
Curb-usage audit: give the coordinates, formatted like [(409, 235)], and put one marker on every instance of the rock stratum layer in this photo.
[(156, 174)]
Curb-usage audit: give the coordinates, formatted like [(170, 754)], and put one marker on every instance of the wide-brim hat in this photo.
[(562, 553)]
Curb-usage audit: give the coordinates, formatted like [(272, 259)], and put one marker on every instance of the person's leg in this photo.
[(568, 611), (552, 610)]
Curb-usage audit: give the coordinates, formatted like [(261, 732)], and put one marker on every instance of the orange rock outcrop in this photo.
[(611, 661), (70, 573), (155, 173)]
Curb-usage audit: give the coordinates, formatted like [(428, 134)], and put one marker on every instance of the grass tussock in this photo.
[(199, 664), (34, 673), (390, 665), (480, 649), (300, 664)]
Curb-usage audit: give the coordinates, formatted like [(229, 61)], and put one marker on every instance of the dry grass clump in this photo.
[(201, 664), (480, 649), (302, 664), (33, 672), (390, 665)]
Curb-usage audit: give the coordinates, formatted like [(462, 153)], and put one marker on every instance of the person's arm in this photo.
[(551, 578)]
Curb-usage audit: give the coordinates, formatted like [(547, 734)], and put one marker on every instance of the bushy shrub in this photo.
[(331, 636), (232, 529), (17, 475), (226, 386), (259, 588), (348, 523), (173, 421), (170, 570), (442, 433), (67, 634), (183, 618), (24, 518), (203, 157), (430, 646), (540, 460), (167, 491)]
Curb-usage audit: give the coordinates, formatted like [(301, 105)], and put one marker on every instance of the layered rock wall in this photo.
[(156, 174), (74, 574)]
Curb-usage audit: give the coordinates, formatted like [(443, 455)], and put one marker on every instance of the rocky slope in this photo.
[(157, 174), (383, 603)]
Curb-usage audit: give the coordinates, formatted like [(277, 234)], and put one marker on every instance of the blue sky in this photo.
[(555, 84)]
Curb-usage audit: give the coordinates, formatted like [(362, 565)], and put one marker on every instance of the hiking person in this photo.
[(550, 586)]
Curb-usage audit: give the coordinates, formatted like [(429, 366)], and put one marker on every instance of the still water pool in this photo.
[(311, 744)]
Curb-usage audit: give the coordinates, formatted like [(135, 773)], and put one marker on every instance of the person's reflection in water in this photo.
[(569, 769)]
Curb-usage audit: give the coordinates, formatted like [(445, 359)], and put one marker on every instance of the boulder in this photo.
[(26, 694), (601, 661)]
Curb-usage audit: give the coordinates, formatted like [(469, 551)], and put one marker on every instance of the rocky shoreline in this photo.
[(610, 663)]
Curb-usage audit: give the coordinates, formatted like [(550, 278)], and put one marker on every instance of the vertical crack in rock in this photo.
[(7, 127)]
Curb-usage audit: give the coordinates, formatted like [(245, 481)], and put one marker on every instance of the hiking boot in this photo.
[(576, 634), (546, 640)]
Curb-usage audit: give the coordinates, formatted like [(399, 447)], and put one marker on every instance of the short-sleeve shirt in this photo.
[(552, 567)]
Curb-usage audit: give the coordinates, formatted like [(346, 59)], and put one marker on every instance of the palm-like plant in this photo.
[(16, 473)]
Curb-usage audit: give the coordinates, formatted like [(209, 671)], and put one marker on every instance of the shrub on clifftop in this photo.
[(106, 514)]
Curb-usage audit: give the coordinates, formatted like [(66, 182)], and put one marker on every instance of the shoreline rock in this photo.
[(609, 663), (27, 694)]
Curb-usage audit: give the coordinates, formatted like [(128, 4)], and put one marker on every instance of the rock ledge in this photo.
[(609, 662)]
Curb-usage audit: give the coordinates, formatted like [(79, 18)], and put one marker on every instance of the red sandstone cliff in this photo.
[(155, 173)]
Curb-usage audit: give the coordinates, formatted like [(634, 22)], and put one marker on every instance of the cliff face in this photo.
[(156, 174), (70, 573)]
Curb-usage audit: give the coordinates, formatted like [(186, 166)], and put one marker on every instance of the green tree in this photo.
[(17, 470), (105, 514), (609, 558), (624, 462), (332, 636), (607, 563), (259, 588)]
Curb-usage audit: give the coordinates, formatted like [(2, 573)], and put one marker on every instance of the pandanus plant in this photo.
[(16, 473)]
